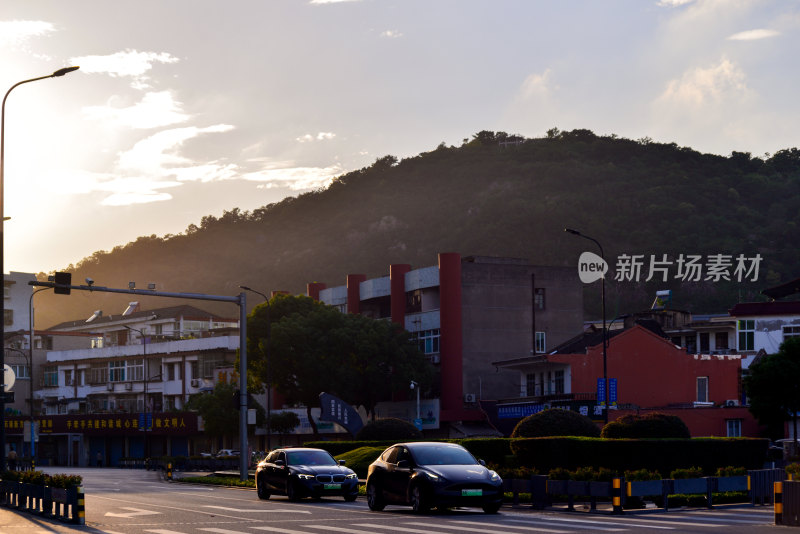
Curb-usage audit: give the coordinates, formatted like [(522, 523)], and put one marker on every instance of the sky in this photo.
[(188, 108)]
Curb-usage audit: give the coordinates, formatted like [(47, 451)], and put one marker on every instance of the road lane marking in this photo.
[(484, 529), (536, 528), (282, 530), (586, 521), (348, 530), (430, 526), (257, 510), (134, 513)]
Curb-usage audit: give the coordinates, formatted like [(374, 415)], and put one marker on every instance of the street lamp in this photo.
[(605, 332), (56, 74), (30, 372), (269, 373), (145, 369)]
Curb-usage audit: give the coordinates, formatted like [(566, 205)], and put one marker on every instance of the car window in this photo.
[(281, 456), (444, 455), (403, 454), (390, 456), (310, 458), (272, 457)]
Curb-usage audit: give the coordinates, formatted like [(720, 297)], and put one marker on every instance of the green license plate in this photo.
[(333, 486), (471, 493)]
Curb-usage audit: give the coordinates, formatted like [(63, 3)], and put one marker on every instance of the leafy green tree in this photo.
[(773, 388), (283, 422), (215, 409)]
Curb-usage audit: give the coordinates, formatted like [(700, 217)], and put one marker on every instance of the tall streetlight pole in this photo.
[(30, 372), (605, 332), (269, 375), (56, 74), (145, 370)]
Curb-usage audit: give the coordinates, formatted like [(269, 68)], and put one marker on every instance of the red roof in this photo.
[(765, 308)]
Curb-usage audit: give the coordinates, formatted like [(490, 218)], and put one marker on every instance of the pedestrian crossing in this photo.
[(508, 522)]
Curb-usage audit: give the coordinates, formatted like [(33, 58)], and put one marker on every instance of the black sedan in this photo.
[(425, 475), (299, 473)]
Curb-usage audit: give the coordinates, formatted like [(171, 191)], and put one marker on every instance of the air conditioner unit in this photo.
[(128, 386), (732, 402), (110, 386), (436, 358), (196, 382), (469, 397)]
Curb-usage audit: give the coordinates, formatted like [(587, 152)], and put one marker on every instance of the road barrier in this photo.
[(66, 505)]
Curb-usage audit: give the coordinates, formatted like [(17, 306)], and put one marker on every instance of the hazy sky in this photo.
[(186, 108)]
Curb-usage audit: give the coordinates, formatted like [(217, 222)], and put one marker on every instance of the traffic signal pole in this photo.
[(63, 286)]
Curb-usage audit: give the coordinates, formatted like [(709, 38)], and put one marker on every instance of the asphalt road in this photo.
[(134, 501)]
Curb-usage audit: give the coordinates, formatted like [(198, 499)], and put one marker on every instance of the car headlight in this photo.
[(433, 477), (305, 477), (352, 475), (494, 476)]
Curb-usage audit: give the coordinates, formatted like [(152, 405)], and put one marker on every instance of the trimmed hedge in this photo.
[(555, 422), (651, 425), (663, 455), (491, 450)]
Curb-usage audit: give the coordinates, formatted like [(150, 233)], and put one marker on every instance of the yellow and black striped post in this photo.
[(80, 511), (169, 471), (616, 495), (778, 500)]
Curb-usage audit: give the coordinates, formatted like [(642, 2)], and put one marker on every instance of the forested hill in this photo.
[(496, 195)]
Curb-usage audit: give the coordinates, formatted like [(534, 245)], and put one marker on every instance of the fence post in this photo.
[(79, 515), (778, 500), (616, 496), (169, 471)]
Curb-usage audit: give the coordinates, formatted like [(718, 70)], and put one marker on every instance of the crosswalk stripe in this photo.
[(483, 530), (222, 531), (282, 530), (158, 531), (258, 510), (537, 528), (585, 521)]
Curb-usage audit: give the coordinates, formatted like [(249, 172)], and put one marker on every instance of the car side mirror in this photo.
[(280, 463), (403, 464), (482, 463), (342, 462)]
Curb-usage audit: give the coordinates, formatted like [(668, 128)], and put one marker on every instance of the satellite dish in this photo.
[(8, 377)]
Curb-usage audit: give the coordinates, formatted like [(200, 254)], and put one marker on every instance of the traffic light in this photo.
[(62, 279)]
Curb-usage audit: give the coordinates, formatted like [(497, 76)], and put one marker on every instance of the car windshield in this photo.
[(309, 458), (445, 455)]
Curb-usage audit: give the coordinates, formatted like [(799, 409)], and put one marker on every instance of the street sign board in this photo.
[(8, 378)]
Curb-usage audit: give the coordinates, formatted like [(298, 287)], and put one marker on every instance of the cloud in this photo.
[(321, 136), (124, 190), (156, 109), (283, 174), (752, 35), (391, 34), (674, 3), (700, 86), (537, 86), (15, 33), (128, 63)]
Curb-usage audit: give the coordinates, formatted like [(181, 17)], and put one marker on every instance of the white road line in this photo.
[(282, 530), (505, 524), (222, 531), (257, 510), (483, 530), (429, 528), (731, 520), (599, 522), (157, 531)]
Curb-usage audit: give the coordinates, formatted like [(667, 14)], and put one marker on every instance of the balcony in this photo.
[(551, 398), (166, 347)]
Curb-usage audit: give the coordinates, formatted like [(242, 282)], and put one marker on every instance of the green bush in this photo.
[(731, 471), (651, 425), (358, 460), (41, 478), (388, 428), (793, 469), (555, 422), (642, 475), (686, 472)]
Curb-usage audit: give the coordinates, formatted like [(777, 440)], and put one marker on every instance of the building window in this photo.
[(747, 333), (193, 370), (429, 341), (530, 384), (50, 376), (558, 382), (702, 389), (135, 369), (116, 371), (541, 346), (721, 340), (414, 301), (538, 298), (791, 331), (705, 347), (98, 374), (8, 317), (734, 428), (97, 342), (21, 372)]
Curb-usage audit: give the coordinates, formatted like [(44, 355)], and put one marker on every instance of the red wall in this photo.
[(397, 281), (451, 335), (354, 292), (705, 422), (651, 371)]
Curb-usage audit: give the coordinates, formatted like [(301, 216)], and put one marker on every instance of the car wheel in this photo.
[(419, 500), (491, 508), (350, 498), (374, 498), (261, 489), (291, 492)]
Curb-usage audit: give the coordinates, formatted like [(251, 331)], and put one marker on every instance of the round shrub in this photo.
[(555, 422), (651, 425), (388, 429)]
